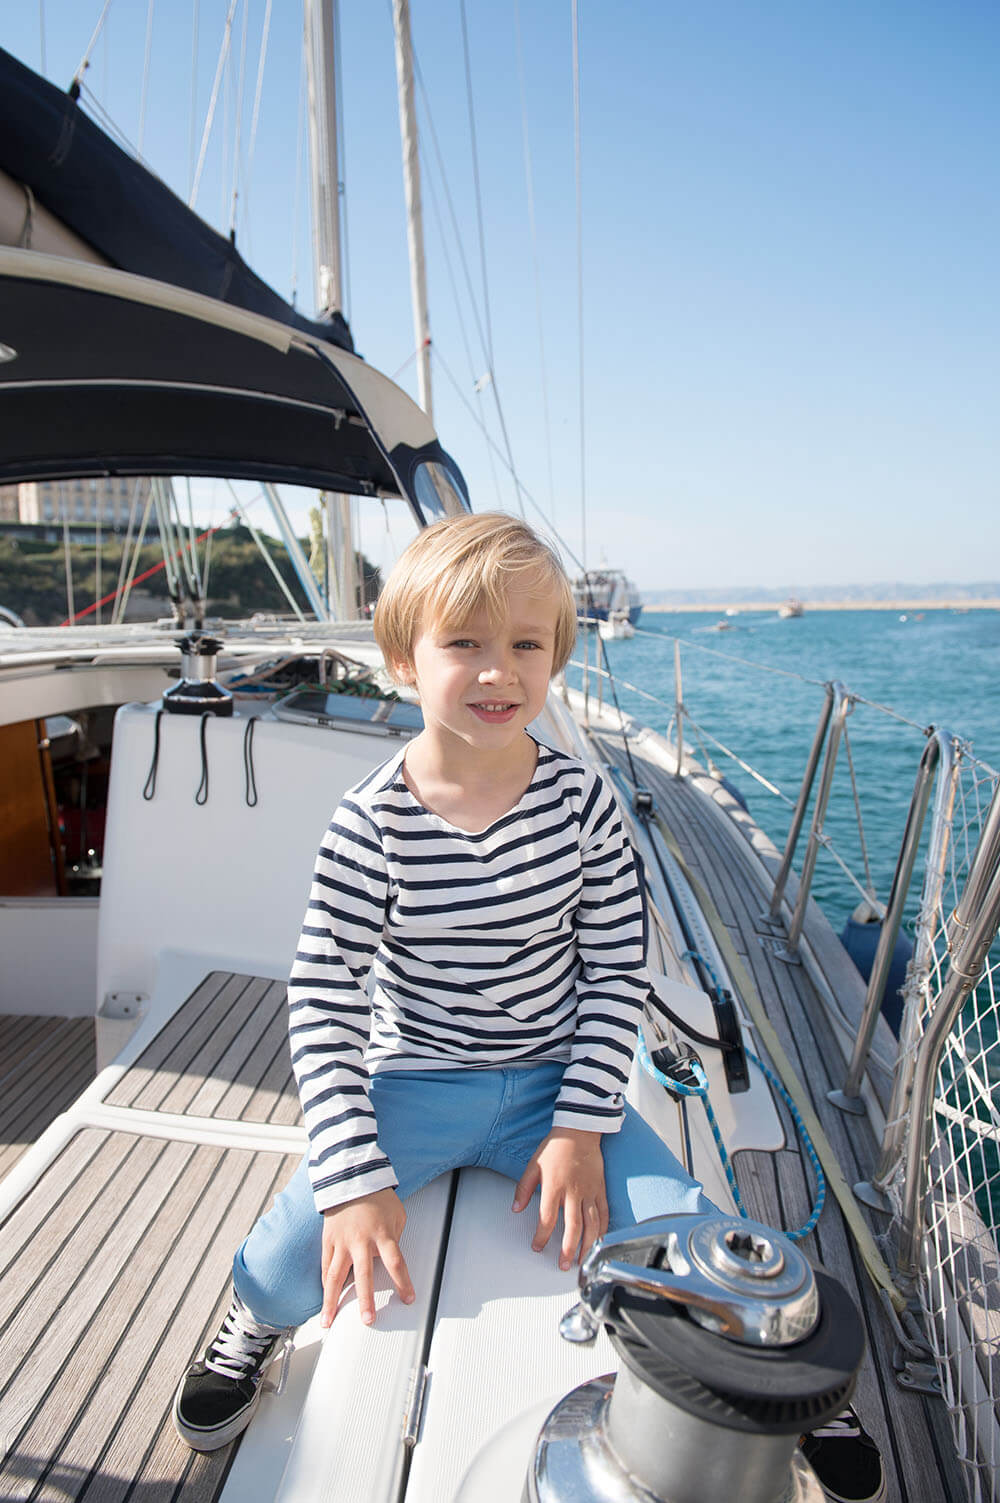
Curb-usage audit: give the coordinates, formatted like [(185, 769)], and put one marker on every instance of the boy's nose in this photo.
[(497, 672)]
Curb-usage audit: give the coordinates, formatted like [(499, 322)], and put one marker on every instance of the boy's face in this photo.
[(483, 682)]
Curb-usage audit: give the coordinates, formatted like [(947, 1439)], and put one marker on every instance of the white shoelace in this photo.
[(242, 1346), (843, 1426)]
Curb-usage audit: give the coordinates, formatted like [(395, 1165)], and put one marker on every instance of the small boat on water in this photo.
[(605, 595), (148, 1107), (616, 626), (791, 609)]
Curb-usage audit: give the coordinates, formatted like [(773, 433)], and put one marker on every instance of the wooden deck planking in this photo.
[(912, 1431), (45, 1063), (142, 1258), (223, 1054)]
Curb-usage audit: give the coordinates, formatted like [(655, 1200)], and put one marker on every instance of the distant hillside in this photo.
[(817, 595)]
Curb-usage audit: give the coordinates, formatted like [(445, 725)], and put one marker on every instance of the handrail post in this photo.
[(679, 707), (841, 708), (848, 1098), (971, 931), (918, 972), (800, 807)]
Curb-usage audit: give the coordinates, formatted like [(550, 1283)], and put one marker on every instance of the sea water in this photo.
[(757, 687)]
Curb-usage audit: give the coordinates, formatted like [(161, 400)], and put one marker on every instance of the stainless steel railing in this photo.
[(972, 929), (938, 760)]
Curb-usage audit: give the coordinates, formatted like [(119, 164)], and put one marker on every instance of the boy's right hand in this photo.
[(355, 1234)]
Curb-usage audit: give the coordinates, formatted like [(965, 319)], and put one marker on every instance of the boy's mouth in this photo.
[(494, 710)]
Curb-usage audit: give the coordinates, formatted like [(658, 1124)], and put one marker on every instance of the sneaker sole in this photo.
[(218, 1436)]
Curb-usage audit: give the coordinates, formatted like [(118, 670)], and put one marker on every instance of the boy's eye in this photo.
[(529, 645), (462, 642)]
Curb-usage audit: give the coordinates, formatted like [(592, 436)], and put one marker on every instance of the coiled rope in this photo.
[(700, 1088)]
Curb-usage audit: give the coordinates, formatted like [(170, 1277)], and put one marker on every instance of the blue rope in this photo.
[(701, 1089)]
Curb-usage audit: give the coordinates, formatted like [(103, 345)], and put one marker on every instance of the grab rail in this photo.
[(841, 706), (798, 815), (938, 759)]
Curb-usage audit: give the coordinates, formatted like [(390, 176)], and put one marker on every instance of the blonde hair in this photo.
[(464, 564)]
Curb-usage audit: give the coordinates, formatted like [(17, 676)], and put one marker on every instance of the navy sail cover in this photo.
[(122, 209)]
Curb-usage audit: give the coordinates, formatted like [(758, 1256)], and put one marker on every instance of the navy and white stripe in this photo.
[(427, 947)]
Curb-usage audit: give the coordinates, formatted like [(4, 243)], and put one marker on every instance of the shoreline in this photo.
[(770, 607)]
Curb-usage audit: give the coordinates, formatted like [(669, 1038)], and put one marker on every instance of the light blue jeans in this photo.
[(430, 1121)]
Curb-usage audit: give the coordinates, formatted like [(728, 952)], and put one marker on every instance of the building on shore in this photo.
[(101, 503)]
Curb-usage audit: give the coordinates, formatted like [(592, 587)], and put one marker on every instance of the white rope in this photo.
[(210, 117)]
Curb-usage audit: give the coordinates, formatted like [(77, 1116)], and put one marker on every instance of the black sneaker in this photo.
[(846, 1460), (218, 1395)]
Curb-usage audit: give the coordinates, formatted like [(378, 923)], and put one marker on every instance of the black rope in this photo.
[(705, 1039), (201, 797), (150, 787), (249, 773)]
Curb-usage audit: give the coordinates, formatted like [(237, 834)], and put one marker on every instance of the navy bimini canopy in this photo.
[(176, 359), (120, 208)]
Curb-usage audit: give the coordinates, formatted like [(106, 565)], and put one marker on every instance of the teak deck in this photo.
[(44, 1065), (911, 1430), (114, 1267)]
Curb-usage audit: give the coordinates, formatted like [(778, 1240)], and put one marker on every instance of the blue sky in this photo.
[(791, 226)]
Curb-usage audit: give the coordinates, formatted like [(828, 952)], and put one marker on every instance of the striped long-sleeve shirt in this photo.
[(427, 947)]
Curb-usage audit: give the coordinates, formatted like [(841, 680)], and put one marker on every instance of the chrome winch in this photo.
[(198, 693), (731, 1345)]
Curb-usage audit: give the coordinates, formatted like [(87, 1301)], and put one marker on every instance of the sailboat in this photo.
[(153, 1152)]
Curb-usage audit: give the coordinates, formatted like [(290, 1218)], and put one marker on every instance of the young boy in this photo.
[(470, 975)]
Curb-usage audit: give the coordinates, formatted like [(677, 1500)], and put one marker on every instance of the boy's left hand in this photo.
[(570, 1169)]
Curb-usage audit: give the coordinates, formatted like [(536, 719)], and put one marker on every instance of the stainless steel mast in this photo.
[(320, 32), (414, 208)]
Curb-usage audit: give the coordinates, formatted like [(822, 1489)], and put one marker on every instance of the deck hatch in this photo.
[(223, 1054)]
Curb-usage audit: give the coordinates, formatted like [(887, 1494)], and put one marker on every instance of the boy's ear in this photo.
[(402, 672)]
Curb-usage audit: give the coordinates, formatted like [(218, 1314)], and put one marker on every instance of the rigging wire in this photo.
[(144, 96), (345, 253), (41, 37), (299, 173), (264, 553), (126, 545), (213, 101), (265, 33), (530, 186), (459, 240), (85, 60), (238, 109), (482, 255), (476, 184), (579, 272), (193, 112)]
